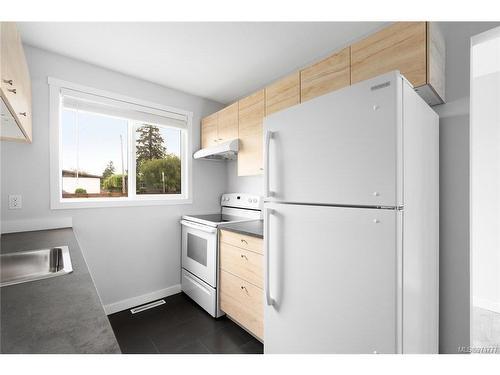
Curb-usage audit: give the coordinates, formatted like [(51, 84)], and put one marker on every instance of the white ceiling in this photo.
[(219, 61)]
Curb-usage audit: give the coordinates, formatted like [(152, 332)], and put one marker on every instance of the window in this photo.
[(109, 150)]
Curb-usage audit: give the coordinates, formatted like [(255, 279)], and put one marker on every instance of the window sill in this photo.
[(75, 203)]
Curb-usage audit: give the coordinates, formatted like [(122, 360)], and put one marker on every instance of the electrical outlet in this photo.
[(15, 202)]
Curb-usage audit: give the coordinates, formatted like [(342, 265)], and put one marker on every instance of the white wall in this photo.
[(485, 174), (91, 184), (131, 251)]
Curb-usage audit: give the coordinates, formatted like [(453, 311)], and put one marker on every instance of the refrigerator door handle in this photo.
[(267, 141), (268, 212)]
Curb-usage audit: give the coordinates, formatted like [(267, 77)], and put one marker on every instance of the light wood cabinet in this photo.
[(327, 75), (241, 280), (227, 126), (209, 134), (243, 302), (283, 93), (15, 87), (414, 48), (245, 264), (250, 118), (241, 240)]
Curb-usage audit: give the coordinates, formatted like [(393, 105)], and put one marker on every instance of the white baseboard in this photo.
[(43, 223), (140, 300), (486, 304)]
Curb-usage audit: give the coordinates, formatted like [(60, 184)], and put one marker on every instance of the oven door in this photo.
[(199, 251)]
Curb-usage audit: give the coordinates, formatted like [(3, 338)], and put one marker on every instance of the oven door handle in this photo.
[(203, 228)]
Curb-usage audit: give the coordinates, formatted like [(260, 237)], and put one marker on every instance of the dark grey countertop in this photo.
[(62, 314), (252, 228)]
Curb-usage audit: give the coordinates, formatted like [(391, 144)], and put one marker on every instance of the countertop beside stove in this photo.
[(253, 228)]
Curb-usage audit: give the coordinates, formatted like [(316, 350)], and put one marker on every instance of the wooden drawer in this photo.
[(243, 302), (242, 263), (242, 241)]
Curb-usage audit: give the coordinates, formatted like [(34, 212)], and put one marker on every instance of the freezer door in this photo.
[(333, 280), (339, 148)]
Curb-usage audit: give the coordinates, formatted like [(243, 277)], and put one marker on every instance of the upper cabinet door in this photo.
[(251, 115), (209, 131), (283, 93), (228, 123), (327, 75), (340, 148), (15, 80), (401, 46)]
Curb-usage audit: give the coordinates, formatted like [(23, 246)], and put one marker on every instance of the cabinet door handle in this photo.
[(14, 91), (8, 81), (23, 114)]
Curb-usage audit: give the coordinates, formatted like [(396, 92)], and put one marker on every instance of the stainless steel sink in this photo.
[(24, 266)]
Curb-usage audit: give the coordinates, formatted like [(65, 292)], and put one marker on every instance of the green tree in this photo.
[(150, 178), (113, 183), (109, 170), (149, 144)]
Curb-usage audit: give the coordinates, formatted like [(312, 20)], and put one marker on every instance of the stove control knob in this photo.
[(249, 200), (255, 200)]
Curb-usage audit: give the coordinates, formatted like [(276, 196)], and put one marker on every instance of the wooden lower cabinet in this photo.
[(242, 241), (243, 302), (241, 280)]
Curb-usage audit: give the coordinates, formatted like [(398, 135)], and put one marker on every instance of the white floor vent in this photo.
[(147, 306)]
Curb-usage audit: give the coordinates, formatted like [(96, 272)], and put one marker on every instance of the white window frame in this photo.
[(56, 200)]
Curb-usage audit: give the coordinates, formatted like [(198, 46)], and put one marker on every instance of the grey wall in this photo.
[(131, 251), (454, 186)]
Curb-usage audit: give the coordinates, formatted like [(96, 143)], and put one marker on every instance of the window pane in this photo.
[(158, 161), (94, 155)]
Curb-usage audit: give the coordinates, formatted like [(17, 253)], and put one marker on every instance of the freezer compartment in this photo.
[(202, 293), (343, 148), (335, 277)]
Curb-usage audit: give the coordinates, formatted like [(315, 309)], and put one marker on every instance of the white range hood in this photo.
[(223, 151)]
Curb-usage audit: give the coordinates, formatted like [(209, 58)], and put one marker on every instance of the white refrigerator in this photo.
[(351, 222)]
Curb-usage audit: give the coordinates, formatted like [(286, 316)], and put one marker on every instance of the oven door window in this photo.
[(197, 249)]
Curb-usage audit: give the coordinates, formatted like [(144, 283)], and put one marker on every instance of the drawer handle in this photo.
[(14, 91), (8, 81), (244, 288), (244, 256), (23, 114), (244, 241)]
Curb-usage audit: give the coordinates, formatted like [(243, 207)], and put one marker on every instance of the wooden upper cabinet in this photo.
[(15, 87), (209, 134), (410, 47), (283, 93), (327, 75), (228, 123), (400, 46), (251, 116)]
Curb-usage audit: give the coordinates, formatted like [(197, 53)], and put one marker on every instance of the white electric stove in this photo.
[(200, 247)]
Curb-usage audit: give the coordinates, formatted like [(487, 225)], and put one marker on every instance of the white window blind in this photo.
[(76, 100)]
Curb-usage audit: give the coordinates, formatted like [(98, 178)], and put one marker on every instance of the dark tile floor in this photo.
[(180, 327)]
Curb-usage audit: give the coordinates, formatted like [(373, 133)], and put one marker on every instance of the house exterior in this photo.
[(70, 182)]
